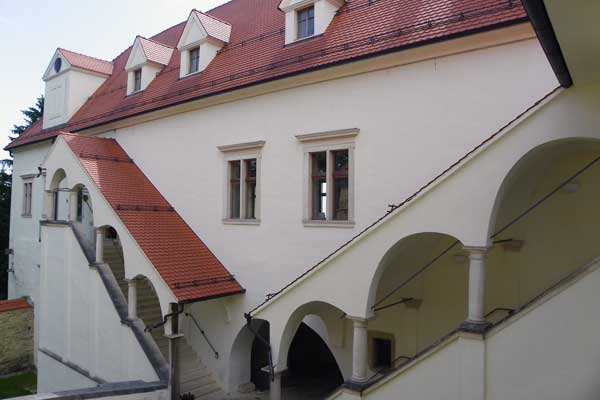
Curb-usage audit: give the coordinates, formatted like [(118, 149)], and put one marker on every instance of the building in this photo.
[(320, 198)]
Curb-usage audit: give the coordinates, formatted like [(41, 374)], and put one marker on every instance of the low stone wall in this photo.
[(16, 336)]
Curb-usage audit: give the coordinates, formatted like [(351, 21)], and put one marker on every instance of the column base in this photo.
[(356, 386), (475, 326)]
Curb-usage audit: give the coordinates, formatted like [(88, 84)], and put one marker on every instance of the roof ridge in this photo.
[(84, 55), (86, 136)]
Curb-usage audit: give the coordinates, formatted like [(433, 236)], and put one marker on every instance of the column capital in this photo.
[(99, 230), (358, 322), (477, 252)]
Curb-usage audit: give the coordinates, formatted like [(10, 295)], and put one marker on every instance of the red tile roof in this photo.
[(156, 52), (214, 27), (185, 263), (256, 51), (11, 305), (87, 62)]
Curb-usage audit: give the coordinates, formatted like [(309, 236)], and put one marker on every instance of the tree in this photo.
[(31, 114)]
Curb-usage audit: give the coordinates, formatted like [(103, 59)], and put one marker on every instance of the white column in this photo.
[(73, 206), (360, 350), (132, 298), (275, 387), (477, 256), (48, 213), (99, 245)]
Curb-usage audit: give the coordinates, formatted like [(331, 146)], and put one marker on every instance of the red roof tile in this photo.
[(214, 27), (156, 52), (256, 51), (11, 305), (87, 62), (185, 263)]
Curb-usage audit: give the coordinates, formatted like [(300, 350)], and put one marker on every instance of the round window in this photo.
[(57, 64)]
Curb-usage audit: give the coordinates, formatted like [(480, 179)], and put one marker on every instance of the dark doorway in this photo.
[(312, 369), (259, 358)]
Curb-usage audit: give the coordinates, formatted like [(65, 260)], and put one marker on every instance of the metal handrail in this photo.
[(216, 353)]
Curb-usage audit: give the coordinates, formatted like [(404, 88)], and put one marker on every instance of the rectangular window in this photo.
[(319, 185), (235, 172), (137, 80), (194, 60), (306, 22), (27, 196), (243, 189)]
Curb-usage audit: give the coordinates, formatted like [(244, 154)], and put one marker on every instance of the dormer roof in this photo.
[(200, 26), (77, 60), (148, 50)]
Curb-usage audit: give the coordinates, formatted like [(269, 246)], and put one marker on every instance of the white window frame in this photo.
[(343, 139), (27, 202), (241, 152)]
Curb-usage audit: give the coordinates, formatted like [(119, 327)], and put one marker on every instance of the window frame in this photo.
[(137, 84), (242, 152), (27, 198), (191, 58), (330, 142), (299, 13)]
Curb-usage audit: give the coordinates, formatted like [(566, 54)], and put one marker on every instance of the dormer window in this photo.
[(194, 60), (307, 18), (306, 22), (200, 41), (146, 60), (137, 80)]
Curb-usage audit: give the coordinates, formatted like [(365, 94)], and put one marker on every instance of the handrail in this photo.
[(216, 353)]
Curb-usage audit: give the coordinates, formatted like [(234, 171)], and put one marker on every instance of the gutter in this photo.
[(536, 10)]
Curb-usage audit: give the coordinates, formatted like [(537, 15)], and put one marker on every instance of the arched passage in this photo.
[(534, 251), (149, 311), (419, 295), (58, 207), (249, 355), (312, 353)]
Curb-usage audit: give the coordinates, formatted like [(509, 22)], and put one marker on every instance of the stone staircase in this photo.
[(195, 378)]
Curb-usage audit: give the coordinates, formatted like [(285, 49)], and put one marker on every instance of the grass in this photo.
[(18, 385)]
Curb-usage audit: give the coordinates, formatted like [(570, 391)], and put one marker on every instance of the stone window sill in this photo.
[(230, 221), (328, 223)]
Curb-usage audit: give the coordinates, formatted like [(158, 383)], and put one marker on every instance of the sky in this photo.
[(30, 32)]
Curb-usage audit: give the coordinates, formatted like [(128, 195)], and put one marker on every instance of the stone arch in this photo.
[(58, 207), (419, 293), (557, 236), (245, 351), (333, 319), (149, 311)]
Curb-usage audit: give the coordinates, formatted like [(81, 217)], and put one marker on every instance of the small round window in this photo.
[(57, 64)]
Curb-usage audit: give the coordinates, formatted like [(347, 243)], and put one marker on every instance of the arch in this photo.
[(332, 318), (554, 238), (538, 154), (418, 250), (149, 311), (59, 190), (244, 351)]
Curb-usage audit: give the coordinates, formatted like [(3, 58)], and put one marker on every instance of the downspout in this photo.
[(536, 10)]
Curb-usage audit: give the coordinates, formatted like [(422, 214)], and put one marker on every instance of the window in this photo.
[(306, 22), (329, 177), (137, 80), (194, 60), (329, 185), (27, 196), (382, 353), (243, 189)]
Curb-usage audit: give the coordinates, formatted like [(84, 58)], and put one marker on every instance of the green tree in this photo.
[(31, 115)]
